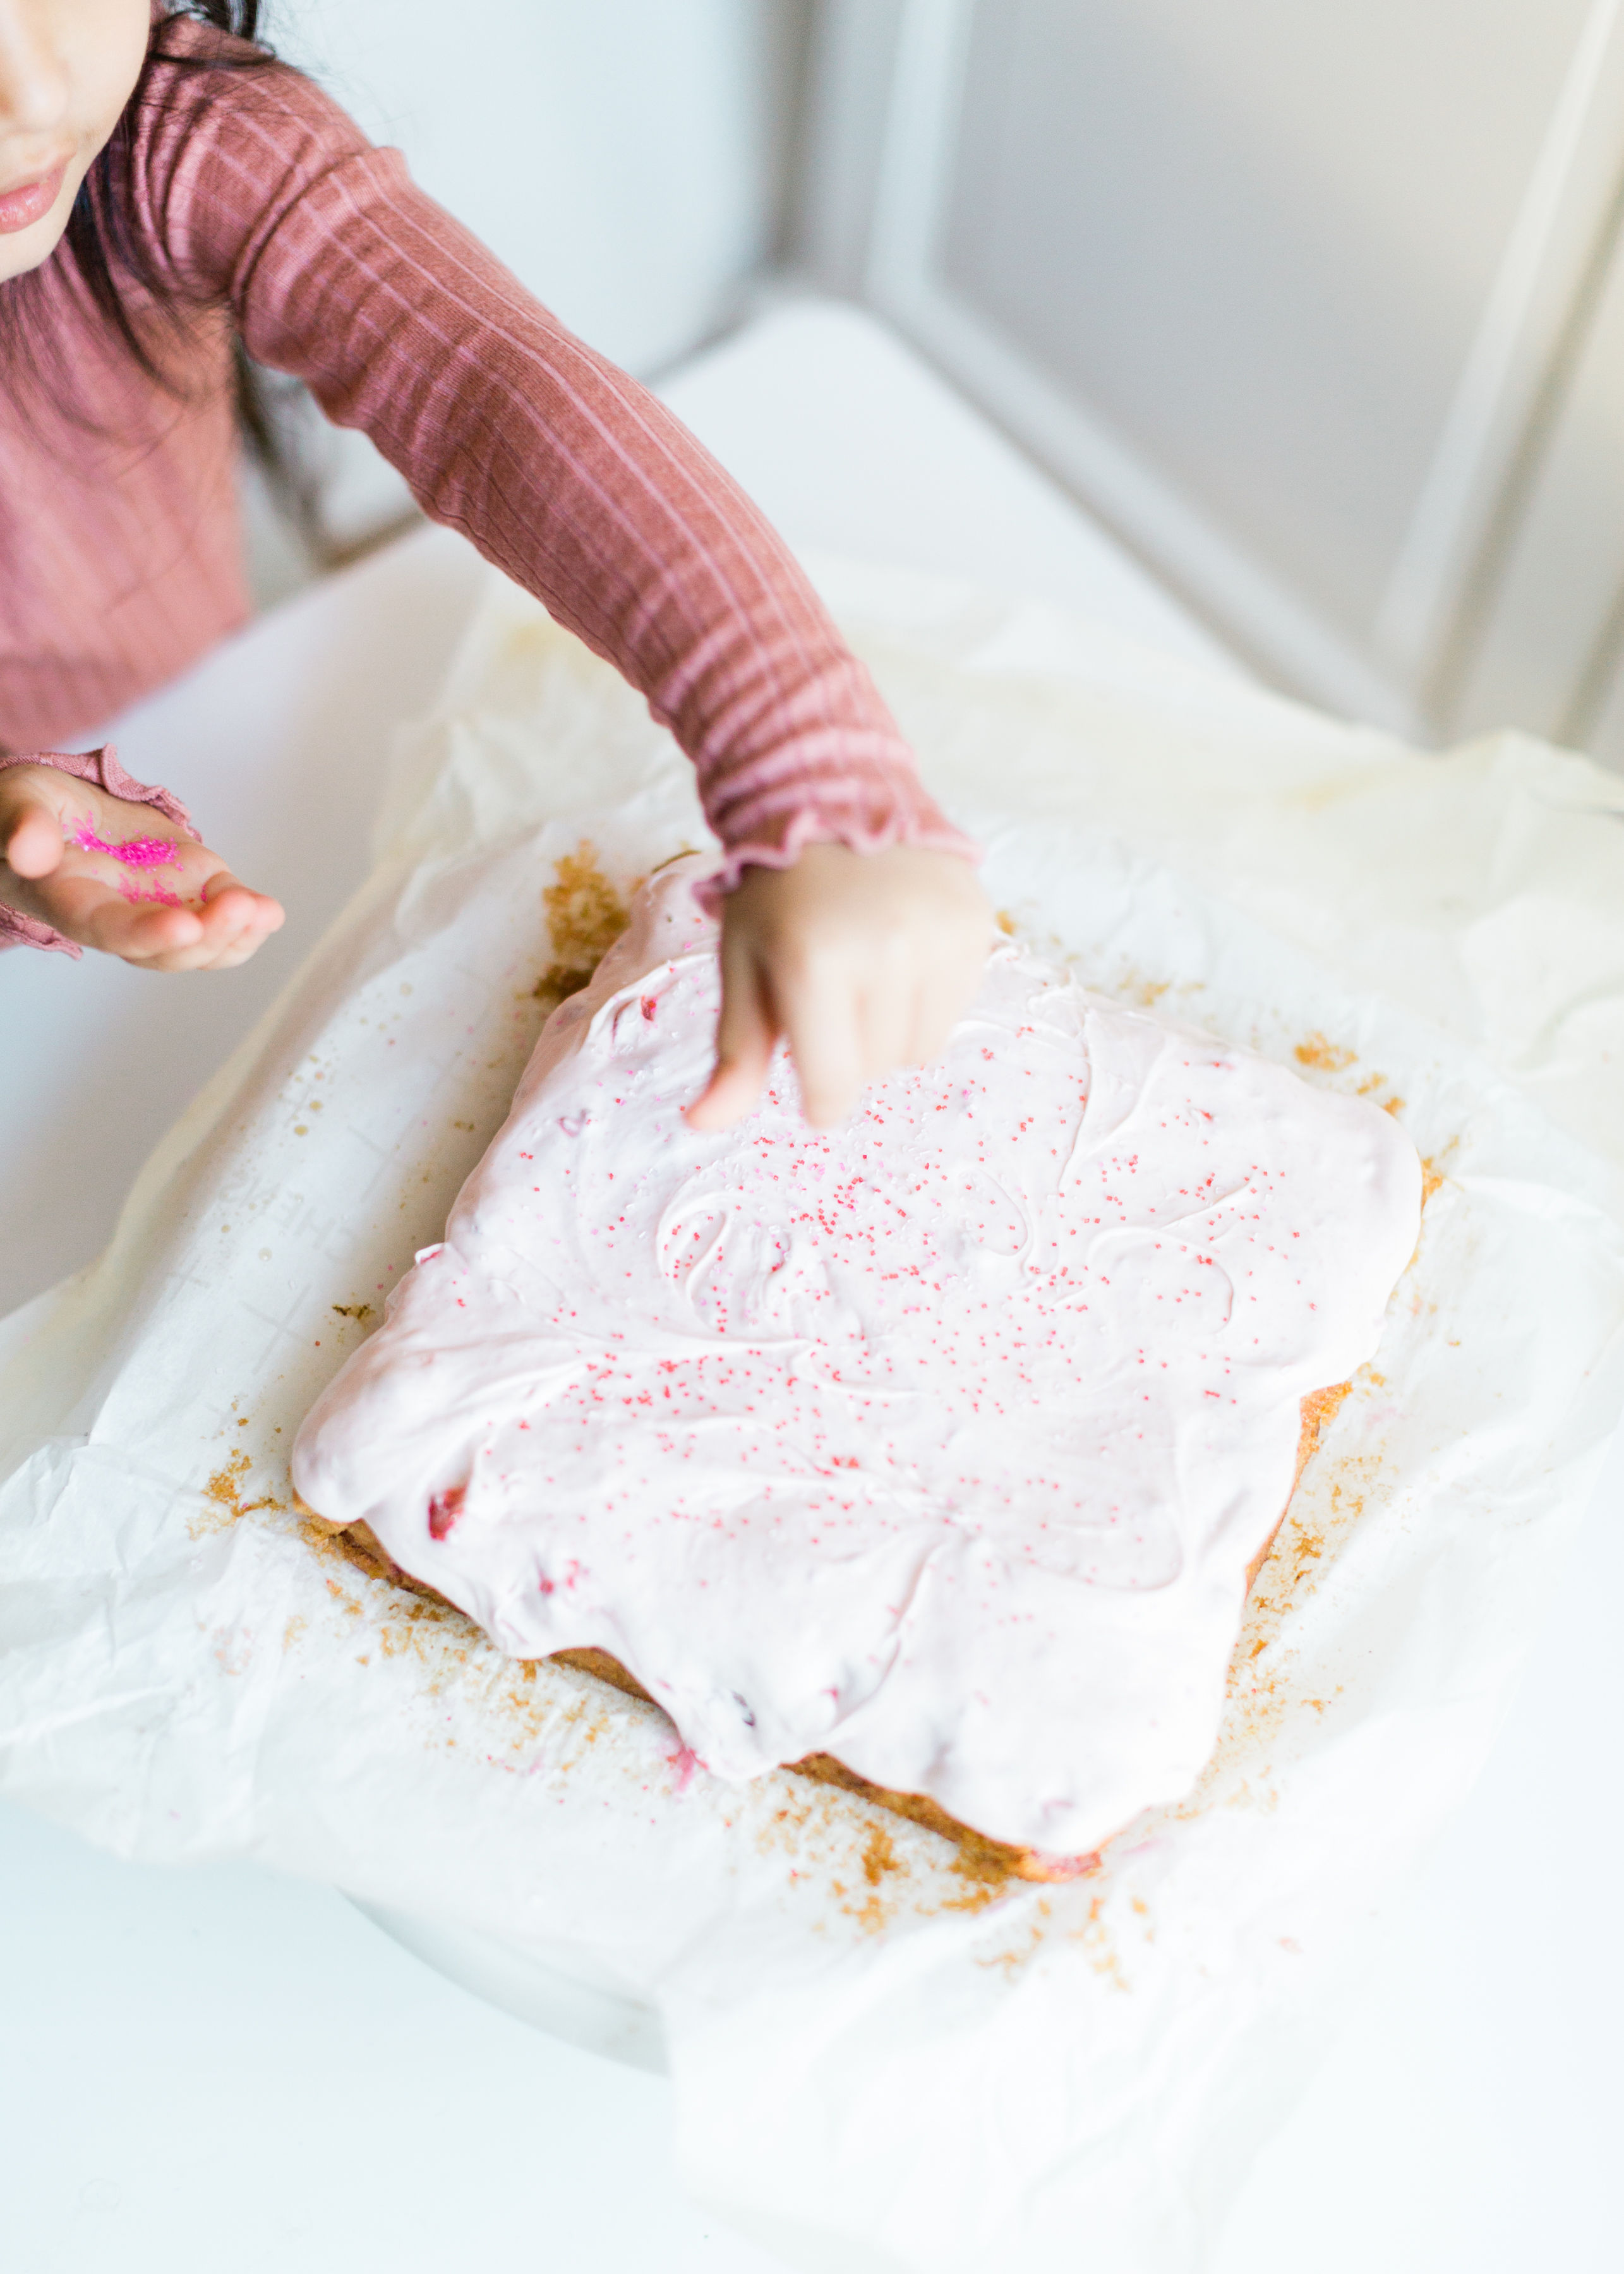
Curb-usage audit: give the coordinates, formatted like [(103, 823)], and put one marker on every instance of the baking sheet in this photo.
[(879, 2061)]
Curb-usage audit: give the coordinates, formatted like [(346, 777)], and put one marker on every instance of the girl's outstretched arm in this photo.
[(587, 491)]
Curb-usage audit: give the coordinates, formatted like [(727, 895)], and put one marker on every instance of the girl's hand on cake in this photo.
[(116, 875), (864, 961)]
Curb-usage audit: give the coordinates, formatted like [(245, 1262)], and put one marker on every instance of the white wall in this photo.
[(1299, 296), (624, 157)]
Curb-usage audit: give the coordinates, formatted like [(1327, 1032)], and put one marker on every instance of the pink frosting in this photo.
[(941, 1441)]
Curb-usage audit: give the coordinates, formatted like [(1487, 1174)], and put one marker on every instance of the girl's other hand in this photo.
[(119, 876), (864, 961)]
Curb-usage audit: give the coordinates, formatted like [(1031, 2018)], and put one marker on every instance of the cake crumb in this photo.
[(1325, 1057), (879, 1857), (1146, 992), (1096, 1938), (585, 916), (223, 1493)]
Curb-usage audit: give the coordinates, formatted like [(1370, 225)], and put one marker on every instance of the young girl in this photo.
[(167, 190)]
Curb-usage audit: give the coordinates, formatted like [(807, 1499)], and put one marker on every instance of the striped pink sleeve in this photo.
[(563, 472), (103, 768)]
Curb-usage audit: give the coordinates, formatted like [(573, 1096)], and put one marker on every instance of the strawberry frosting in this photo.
[(940, 1441)]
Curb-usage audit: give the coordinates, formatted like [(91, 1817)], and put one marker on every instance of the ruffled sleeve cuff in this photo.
[(864, 799), (101, 768)]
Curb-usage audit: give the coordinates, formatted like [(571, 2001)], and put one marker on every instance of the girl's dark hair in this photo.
[(105, 244), (102, 237)]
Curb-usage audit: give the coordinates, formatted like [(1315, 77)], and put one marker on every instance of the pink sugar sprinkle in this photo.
[(160, 894), (134, 852)]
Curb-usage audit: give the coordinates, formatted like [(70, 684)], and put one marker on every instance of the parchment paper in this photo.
[(880, 2061)]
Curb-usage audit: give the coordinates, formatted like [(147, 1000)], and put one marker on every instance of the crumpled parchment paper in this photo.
[(880, 2061)]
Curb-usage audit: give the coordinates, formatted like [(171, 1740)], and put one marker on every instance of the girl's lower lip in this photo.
[(21, 208)]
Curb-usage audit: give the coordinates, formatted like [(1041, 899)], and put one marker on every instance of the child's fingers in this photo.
[(237, 921), (232, 925), (863, 961), (232, 912), (164, 936), (138, 931), (941, 1003), (889, 1016), (905, 1016), (32, 843), (745, 1033), (948, 980), (159, 939), (823, 1021)]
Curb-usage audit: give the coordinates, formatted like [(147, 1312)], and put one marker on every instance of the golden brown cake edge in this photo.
[(980, 1856)]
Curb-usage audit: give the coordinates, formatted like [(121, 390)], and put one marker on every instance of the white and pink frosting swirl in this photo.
[(941, 1441)]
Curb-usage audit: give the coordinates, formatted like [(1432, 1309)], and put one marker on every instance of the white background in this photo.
[(628, 160), (622, 156)]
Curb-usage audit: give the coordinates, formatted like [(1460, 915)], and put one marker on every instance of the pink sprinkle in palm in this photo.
[(134, 852)]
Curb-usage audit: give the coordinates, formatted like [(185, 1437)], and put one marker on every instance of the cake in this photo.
[(936, 1451)]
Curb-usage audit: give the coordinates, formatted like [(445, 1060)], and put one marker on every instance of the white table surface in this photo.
[(222, 2069)]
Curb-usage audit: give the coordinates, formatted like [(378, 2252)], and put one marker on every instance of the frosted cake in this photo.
[(939, 1447)]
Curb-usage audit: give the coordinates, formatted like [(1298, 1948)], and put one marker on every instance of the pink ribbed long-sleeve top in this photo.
[(120, 555)]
